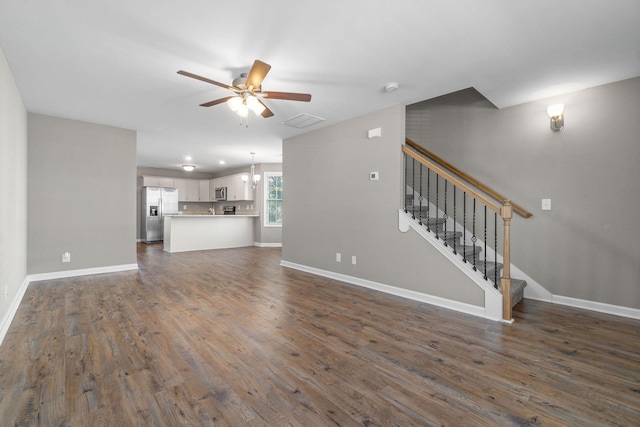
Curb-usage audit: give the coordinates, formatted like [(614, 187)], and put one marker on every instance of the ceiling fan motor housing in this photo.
[(241, 82)]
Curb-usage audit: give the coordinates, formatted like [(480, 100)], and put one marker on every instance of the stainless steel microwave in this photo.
[(221, 194)]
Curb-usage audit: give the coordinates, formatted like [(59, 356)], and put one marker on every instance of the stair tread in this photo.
[(491, 265), (467, 251)]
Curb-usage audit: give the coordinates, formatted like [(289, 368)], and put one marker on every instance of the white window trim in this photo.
[(265, 192)]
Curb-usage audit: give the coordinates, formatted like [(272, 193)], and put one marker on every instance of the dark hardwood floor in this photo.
[(231, 338)]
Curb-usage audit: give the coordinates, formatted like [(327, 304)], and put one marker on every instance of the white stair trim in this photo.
[(393, 290), (492, 296)]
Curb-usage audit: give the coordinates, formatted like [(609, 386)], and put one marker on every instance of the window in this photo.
[(273, 199)]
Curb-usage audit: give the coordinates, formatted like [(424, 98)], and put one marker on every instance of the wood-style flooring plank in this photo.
[(231, 338)]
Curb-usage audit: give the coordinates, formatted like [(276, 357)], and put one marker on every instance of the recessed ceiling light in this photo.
[(188, 158), (222, 162)]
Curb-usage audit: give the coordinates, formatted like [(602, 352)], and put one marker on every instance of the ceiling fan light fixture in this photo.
[(243, 110), (255, 105), (234, 103), (252, 102)]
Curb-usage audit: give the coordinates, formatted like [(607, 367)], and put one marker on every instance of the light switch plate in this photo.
[(546, 204)]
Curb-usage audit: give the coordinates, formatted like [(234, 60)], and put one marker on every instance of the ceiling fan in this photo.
[(248, 94)]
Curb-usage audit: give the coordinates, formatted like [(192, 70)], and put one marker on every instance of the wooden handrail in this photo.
[(504, 209), (453, 179), (518, 209)]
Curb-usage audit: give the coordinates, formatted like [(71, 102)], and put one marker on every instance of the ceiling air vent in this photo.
[(302, 120)]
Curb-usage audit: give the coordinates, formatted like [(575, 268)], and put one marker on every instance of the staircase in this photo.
[(471, 254), (458, 202)]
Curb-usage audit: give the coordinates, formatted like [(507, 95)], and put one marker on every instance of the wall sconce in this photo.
[(557, 118), (188, 168)]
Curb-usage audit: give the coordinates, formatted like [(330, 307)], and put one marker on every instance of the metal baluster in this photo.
[(445, 216), (495, 249), (413, 186), (428, 198), (454, 221), (464, 225), (437, 205), (473, 237), (404, 189), (420, 196), (485, 242)]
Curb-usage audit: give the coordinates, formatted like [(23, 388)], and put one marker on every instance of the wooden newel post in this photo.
[(506, 212)]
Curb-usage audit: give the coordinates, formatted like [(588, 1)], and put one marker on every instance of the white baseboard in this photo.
[(601, 307), (405, 293), (267, 245), (13, 308), (81, 272)]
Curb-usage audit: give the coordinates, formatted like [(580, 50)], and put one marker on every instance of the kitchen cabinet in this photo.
[(158, 181), (188, 190), (203, 190), (181, 186), (193, 190), (238, 190)]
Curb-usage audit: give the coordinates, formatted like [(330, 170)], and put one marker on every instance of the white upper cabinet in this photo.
[(193, 190), (238, 190), (158, 181), (188, 190), (204, 191), (181, 186)]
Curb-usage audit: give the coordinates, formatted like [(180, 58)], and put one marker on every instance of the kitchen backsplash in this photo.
[(202, 208)]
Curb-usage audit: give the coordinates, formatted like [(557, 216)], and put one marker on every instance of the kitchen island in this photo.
[(184, 233)]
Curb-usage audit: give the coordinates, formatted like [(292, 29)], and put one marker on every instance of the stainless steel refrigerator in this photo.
[(156, 203)]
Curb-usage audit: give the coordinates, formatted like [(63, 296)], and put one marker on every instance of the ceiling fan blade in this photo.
[(258, 71), (216, 102), (266, 113), (304, 97), (204, 79)]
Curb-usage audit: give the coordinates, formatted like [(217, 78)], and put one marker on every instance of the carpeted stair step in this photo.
[(436, 225), (433, 223), (449, 237), (491, 269), (468, 250), (517, 291)]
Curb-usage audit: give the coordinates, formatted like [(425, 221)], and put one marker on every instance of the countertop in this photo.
[(212, 216)]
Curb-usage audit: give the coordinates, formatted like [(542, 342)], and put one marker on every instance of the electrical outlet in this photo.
[(546, 204), (66, 257), (353, 260), (338, 257)]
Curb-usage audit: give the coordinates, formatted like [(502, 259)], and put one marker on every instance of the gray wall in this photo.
[(81, 195), (13, 189), (588, 245), (331, 206)]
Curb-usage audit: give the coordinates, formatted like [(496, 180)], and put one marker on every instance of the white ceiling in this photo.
[(115, 62)]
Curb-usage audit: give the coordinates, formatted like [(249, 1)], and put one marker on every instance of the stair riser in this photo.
[(436, 226)]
